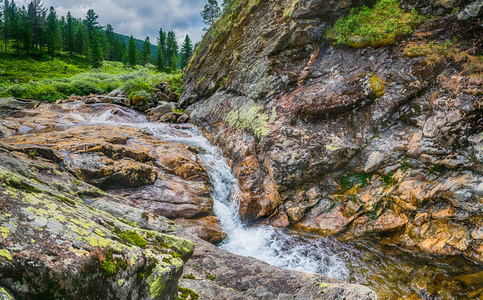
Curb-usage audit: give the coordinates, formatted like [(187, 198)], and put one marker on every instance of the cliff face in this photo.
[(349, 141)]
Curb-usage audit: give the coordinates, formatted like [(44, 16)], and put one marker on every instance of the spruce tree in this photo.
[(162, 45), (132, 52), (69, 33), (160, 62), (52, 32), (172, 50), (211, 12), (146, 52), (186, 51), (109, 47)]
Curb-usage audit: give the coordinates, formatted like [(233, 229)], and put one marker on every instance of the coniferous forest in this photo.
[(36, 30)]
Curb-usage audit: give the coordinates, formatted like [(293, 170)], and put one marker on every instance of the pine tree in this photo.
[(186, 51), (172, 50), (131, 52), (160, 62), (109, 47), (69, 33), (174, 62), (26, 31), (6, 24), (94, 53), (146, 52), (52, 32), (37, 14), (211, 12), (162, 46)]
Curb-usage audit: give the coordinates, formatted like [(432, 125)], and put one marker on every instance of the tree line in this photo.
[(34, 30)]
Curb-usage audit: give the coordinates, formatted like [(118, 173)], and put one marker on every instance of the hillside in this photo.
[(139, 44)]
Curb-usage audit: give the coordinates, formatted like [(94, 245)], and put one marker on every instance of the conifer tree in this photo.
[(109, 47), (186, 51), (131, 52), (211, 12), (37, 14), (162, 46), (6, 24), (172, 50), (160, 62), (145, 55), (52, 32), (26, 31), (69, 34)]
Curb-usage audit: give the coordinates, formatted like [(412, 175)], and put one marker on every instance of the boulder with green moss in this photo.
[(55, 246)]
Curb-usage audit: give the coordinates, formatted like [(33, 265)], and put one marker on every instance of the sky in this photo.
[(140, 18)]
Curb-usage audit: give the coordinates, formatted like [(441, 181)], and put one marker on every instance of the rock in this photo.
[(173, 97), (119, 101), (472, 10), (211, 274), (162, 97), (117, 93), (183, 118), (380, 132), (50, 235), (162, 109), (168, 118)]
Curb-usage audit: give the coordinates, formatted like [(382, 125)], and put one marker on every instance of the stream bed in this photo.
[(392, 272)]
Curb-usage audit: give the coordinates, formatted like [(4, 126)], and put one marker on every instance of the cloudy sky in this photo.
[(140, 18)]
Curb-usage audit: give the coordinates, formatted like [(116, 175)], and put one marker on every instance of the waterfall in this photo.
[(263, 242)]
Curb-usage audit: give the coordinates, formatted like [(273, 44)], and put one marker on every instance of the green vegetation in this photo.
[(110, 265), (132, 237), (377, 85), (353, 179), (378, 26), (112, 75), (36, 31), (185, 293)]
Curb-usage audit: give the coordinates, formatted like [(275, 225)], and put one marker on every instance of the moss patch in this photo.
[(377, 85), (185, 293), (353, 179), (377, 26), (132, 237)]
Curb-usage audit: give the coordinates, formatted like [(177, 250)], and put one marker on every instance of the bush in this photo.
[(378, 26)]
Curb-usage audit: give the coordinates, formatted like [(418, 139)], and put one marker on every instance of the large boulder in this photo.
[(55, 246)]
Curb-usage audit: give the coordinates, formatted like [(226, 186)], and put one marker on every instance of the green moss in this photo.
[(388, 181), (353, 179), (378, 26), (131, 237), (33, 153), (191, 276), (110, 265), (377, 85), (184, 293)]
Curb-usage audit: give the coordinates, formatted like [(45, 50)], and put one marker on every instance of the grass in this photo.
[(55, 84), (378, 26)]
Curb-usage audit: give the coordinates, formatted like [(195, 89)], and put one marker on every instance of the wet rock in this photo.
[(213, 272), (163, 108), (169, 118)]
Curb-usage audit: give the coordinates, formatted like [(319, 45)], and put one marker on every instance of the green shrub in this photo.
[(378, 26)]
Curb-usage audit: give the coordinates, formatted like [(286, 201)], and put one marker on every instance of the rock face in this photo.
[(348, 142), (62, 237)]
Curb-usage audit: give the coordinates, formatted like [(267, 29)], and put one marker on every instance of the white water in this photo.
[(266, 243)]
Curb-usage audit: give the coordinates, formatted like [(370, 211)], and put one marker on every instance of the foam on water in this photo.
[(266, 243)]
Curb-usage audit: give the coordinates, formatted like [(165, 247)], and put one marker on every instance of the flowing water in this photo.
[(391, 272)]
